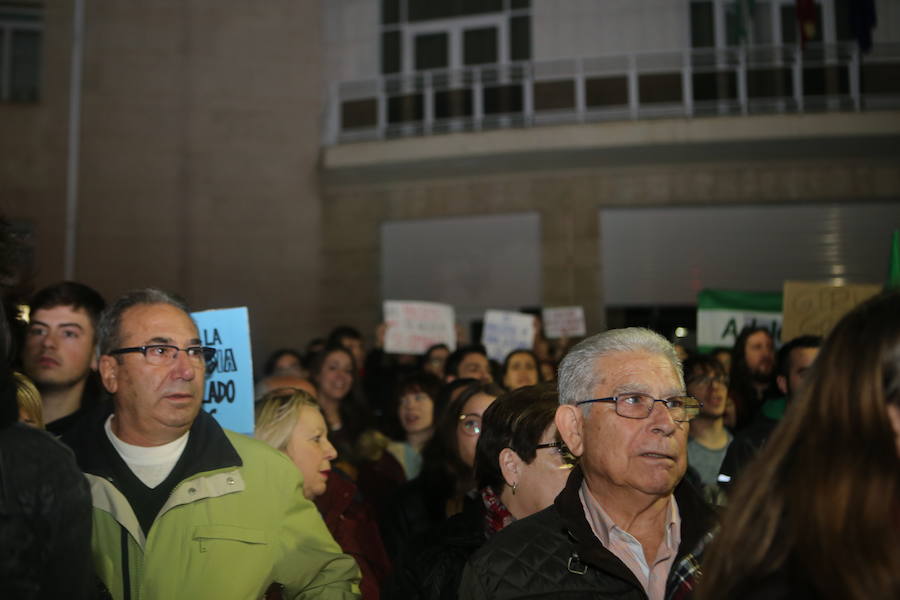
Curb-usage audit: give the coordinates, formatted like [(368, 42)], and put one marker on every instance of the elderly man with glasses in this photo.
[(625, 525), (183, 508)]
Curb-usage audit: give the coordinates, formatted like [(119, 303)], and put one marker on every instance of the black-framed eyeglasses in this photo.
[(166, 354), (560, 448), (639, 406), (471, 423)]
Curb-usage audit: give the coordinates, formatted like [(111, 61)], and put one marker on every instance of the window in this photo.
[(20, 53), (721, 23)]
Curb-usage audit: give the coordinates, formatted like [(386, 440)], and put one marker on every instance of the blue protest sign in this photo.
[(229, 380)]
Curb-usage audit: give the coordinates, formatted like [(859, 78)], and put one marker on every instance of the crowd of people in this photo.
[(607, 468)]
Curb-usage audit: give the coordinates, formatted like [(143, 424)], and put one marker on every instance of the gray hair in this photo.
[(109, 336), (578, 373)]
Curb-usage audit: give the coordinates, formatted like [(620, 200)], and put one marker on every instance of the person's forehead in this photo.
[(626, 370), (157, 321), (61, 313), (803, 357), (473, 357), (759, 337)]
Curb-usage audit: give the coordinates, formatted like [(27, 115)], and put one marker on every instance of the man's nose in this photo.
[(661, 419), (184, 367)]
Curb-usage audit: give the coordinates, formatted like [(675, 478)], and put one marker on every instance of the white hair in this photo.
[(578, 372)]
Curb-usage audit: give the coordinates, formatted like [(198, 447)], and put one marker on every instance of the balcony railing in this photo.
[(686, 83)]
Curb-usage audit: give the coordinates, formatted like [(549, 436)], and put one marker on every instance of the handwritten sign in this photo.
[(563, 321), (413, 327), (505, 331), (229, 379), (814, 308)]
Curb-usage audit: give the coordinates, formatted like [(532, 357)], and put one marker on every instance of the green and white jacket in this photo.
[(237, 524)]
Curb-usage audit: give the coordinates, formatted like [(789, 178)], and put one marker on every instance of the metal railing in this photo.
[(685, 83)]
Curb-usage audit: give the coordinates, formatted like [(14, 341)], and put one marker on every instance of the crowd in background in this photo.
[(416, 462)]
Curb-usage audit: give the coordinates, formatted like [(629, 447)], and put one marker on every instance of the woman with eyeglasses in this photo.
[(447, 479), (291, 421), (817, 514), (520, 466)]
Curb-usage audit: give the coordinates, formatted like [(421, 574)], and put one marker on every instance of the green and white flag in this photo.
[(721, 314)]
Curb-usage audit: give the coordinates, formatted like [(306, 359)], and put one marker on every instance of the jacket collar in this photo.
[(209, 447), (697, 519)]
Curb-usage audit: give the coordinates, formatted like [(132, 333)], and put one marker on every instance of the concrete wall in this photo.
[(358, 199), (199, 150)]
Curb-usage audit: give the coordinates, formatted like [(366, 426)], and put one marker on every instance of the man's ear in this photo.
[(109, 370), (781, 382), (570, 421), (510, 465)]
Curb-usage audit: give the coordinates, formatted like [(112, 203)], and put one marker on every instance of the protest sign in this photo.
[(721, 315), (814, 308), (563, 321), (229, 380), (413, 327), (505, 331)]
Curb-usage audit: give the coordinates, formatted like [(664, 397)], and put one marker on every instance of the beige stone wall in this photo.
[(568, 202), (199, 151)]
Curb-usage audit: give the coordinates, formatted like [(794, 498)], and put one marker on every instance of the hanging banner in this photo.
[(721, 314), (229, 378), (505, 331), (413, 327)]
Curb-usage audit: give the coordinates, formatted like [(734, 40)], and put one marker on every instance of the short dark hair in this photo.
[(706, 362), (269, 365), (340, 332), (457, 356), (70, 293), (515, 420), (108, 329), (783, 359)]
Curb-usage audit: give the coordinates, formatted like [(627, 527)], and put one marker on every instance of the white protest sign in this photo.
[(563, 321), (505, 331), (229, 380), (413, 327)]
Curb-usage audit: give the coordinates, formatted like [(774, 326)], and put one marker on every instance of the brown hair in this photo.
[(822, 502)]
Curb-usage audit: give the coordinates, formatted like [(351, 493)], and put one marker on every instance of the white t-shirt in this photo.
[(150, 464)]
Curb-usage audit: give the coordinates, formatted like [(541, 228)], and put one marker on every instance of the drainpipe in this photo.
[(74, 139)]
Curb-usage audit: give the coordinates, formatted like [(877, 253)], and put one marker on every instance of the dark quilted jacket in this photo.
[(431, 565), (45, 518), (555, 554)]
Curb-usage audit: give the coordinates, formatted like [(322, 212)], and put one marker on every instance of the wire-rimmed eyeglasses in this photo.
[(639, 406)]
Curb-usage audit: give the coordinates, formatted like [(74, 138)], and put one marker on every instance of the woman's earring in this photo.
[(515, 486)]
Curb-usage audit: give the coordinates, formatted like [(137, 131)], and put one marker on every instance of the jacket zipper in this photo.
[(126, 575)]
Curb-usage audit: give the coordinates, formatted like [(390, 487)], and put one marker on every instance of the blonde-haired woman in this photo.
[(290, 420), (31, 410)]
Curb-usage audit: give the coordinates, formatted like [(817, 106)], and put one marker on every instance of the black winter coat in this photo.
[(431, 565), (554, 554), (45, 518)]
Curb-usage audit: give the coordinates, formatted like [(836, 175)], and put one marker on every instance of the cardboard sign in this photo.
[(563, 321), (505, 331), (814, 308), (229, 380), (413, 327), (721, 314)]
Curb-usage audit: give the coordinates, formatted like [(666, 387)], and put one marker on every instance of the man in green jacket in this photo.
[(182, 508)]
